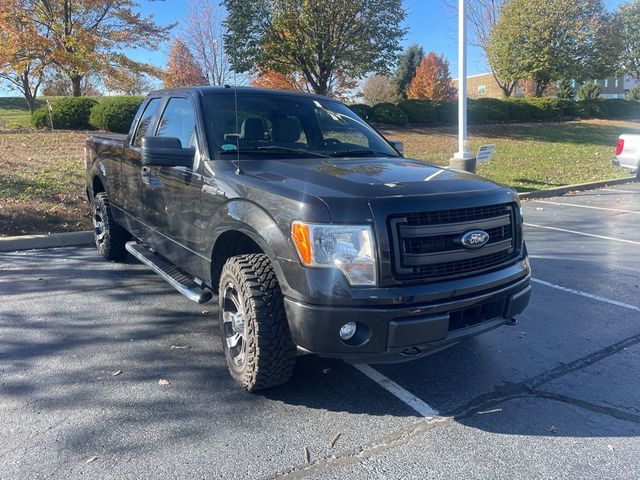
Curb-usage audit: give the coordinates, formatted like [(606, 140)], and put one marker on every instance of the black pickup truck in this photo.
[(314, 232)]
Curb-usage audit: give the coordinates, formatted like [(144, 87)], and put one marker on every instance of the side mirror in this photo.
[(398, 146), (166, 152)]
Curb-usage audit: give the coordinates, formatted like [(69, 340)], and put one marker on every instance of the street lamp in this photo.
[(462, 159)]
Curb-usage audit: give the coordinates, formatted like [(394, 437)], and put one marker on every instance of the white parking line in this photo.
[(396, 390), (583, 233), (587, 206), (587, 295)]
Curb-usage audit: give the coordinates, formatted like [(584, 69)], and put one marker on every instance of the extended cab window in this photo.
[(145, 120), (178, 120)]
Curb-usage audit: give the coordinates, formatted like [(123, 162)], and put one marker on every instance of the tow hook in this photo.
[(410, 352)]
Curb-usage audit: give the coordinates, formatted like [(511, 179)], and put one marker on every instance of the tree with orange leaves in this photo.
[(432, 80), (83, 37), (340, 84), (182, 68), (22, 62), (279, 81)]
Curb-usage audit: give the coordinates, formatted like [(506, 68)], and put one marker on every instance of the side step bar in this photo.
[(170, 273)]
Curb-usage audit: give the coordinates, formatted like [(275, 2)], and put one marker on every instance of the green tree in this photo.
[(589, 91), (482, 16), (565, 90), (407, 65), (316, 38), (628, 20), (633, 94), (543, 40)]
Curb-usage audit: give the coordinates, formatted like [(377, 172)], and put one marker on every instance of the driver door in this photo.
[(171, 193)]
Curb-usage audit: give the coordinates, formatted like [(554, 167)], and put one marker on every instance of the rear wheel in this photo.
[(110, 237), (253, 324)]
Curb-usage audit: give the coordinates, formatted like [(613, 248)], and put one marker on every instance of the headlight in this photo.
[(346, 247)]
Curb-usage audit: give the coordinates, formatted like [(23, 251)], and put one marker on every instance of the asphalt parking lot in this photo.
[(84, 345)]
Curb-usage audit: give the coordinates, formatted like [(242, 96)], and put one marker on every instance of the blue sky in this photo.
[(430, 23)]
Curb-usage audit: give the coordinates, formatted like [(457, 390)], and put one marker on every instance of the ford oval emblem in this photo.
[(475, 239)]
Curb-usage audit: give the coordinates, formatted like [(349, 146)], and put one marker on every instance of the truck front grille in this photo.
[(427, 245)]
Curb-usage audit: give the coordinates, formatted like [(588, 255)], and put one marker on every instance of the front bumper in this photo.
[(396, 333)]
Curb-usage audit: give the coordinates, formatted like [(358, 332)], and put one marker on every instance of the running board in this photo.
[(170, 273)]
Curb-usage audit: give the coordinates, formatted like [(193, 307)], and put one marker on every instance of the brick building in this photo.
[(484, 86)]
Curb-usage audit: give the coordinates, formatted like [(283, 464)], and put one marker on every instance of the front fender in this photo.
[(256, 223)]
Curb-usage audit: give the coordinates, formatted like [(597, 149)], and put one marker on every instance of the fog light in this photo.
[(347, 331)]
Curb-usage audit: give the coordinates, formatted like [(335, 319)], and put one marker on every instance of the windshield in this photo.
[(291, 126)]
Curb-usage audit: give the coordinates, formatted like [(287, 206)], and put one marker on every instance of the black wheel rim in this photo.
[(234, 325)]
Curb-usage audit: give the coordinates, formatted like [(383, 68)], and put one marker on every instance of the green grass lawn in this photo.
[(528, 157), (42, 183), (14, 112)]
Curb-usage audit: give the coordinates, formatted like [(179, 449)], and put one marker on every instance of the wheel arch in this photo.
[(243, 228)]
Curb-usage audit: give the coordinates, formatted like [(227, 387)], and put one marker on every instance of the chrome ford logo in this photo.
[(475, 239)]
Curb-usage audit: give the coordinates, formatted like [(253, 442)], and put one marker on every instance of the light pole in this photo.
[(462, 159)]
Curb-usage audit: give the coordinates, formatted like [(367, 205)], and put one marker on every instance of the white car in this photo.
[(628, 152)]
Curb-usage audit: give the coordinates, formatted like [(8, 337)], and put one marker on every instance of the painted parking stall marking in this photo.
[(397, 391), (575, 232), (587, 295), (619, 210)]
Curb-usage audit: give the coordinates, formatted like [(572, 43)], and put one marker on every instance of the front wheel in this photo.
[(110, 237), (253, 324)]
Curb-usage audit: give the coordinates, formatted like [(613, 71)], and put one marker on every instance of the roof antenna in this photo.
[(235, 101)]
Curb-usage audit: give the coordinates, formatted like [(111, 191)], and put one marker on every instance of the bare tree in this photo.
[(378, 89), (203, 36), (482, 17), (127, 82)]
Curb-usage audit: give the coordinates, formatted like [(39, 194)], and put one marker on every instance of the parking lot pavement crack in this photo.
[(532, 387), (592, 407), (506, 393), (582, 363), (358, 454)]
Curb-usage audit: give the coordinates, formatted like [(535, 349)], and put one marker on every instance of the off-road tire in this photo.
[(110, 237), (270, 355)]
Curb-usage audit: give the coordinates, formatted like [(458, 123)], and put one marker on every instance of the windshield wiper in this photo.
[(275, 149), (359, 153)]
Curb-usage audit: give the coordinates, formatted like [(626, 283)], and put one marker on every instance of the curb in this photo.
[(556, 192), (30, 242)]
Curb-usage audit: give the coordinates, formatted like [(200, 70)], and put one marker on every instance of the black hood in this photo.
[(349, 187), (365, 178)]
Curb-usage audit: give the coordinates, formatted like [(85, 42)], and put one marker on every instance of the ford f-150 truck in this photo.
[(313, 231)]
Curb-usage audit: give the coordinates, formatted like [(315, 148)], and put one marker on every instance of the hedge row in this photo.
[(114, 114), (491, 109)]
